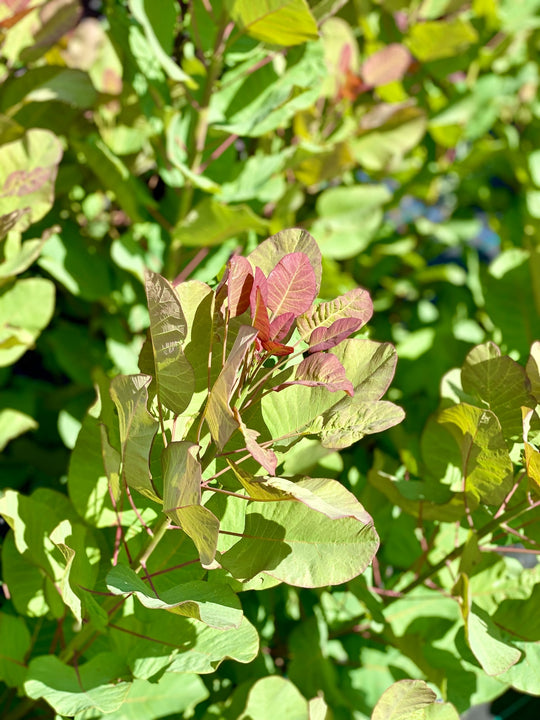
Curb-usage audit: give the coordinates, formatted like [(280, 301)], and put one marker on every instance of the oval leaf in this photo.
[(355, 304), (292, 285), (404, 700)]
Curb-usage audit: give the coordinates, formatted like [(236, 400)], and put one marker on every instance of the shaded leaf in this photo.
[(483, 636), (202, 526), (264, 456), (174, 374), (239, 284), (137, 431), (296, 545), (183, 645), (15, 646), (219, 416), (214, 604), (181, 476), (210, 223), (533, 369)]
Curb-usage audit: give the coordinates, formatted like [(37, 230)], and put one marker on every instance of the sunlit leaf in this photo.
[(278, 22), (214, 604), (92, 686), (174, 374), (404, 700), (354, 306), (485, 464), (292, 285)]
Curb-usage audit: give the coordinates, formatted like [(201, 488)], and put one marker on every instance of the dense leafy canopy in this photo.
[(269, 358)]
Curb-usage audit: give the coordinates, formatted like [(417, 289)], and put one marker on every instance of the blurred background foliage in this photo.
[(402, 135)]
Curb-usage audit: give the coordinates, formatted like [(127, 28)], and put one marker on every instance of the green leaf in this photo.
[(436, 40), (17, 256), (219, 416), (14, 423), (92, 686), (28, 170), (296, 545), (533, 369), (181, 476), (486, 468), (26, 308), (213, 604), (50, 83), (356, 419), (298, 410), (514, 313), (166, 641), (348, 218), (15, 646), (272, 696), (202, 526), (278, 22), (158, 22), (137, 431), (174, 374), (404, 700), (211, 222), (483, 636), (169, 695), (500, 383)]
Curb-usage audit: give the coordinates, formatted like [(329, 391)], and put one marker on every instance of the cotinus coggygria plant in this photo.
[(181, 488)]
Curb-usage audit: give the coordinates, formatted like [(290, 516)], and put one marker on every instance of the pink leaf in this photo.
[(259, 315), (324, 338), (259, 282), (280, 326), (321, 370), (239, 284), (386, 65), (265, 457), (292, 285)]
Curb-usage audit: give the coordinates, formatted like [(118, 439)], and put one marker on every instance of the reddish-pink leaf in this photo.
[(264, 456), (259, 315), (259, 282), (239, 284), (280, 326), (321, 370), (324, 338), (292, 285), (386, 65), (276, 348)]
